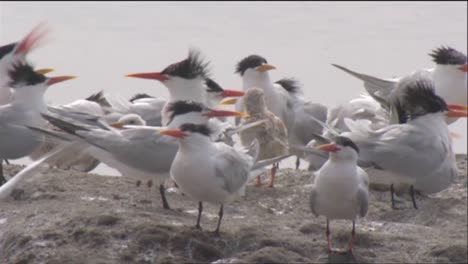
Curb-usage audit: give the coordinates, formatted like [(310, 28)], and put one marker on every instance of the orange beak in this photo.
[(232, 93), (54, 80), (463, 68), (149, 75), (44, 70), (329, 147), (265, 67), (457, 107), (456, 114), (173, 133), (222, 113), (117, 125)]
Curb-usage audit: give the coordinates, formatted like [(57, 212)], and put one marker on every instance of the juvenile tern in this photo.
[(271, 135)]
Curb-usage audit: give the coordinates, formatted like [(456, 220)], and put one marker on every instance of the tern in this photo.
[(340, 189), (417, 146), (138, 151), (209, 171), (271, 135), (14, 53), (284, 98), (76, 159), (185, 80), (449, 77), (28, 102)]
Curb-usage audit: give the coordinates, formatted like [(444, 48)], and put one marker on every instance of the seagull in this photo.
[(136, 150), (28, 102), (271, 135), (418, 146), (340, 189), (217, 172), (449, 77), (185, 80)]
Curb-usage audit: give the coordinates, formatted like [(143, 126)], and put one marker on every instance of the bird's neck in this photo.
[(33, 100), (194, 145), (261, 81), (194, 90)]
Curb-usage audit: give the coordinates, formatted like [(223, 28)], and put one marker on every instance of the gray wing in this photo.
[(376, 87), (232, 168), (362, 198), (305, 125), (312, 200)]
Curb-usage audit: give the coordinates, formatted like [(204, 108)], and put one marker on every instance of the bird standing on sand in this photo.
[(340, 189), (417, 145), (218, 172), (271, 135)]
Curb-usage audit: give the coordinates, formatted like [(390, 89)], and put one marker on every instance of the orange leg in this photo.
[(273, 174), (259, 181)]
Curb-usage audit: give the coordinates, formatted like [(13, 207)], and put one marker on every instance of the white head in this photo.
[(185, 79), (343, 149), (254, 70), (191, 136), (16, 52), (29, 86), (215, 94), (180, 112)]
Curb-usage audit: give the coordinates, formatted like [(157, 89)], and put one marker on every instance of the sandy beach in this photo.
[(70, 217)]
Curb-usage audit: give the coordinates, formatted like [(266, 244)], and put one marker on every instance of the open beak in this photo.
[(228, 101), (463, 68), (173, 133), (149, 75), (265, 67), (44, 70), (328, 147), (54, 80), (117, 125), (232, 93), (32, 39), (222, 113)]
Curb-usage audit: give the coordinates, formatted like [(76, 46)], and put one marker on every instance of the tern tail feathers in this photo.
[(31, 170)]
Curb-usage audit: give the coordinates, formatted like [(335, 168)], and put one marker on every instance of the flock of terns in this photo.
[(395, 135)]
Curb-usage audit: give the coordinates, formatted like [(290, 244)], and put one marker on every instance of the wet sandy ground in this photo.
[(69, 217)]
